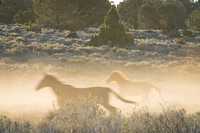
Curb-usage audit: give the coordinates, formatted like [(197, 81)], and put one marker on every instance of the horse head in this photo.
[(45, 82), (115, 76)]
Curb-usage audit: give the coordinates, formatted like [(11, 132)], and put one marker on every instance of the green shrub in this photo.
[(34, 27), (194, 20), (128, 10), (188, 33), (9, 8), (148, 17), (172, 14), (181, 41), (1, 1), (112, 31), (70, 14), (173, 33), (24, 17)]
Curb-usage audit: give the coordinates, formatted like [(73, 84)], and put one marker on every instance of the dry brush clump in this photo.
[(85, 115), (9, 126)]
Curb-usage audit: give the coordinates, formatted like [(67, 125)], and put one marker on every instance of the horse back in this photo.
[(96, 90)]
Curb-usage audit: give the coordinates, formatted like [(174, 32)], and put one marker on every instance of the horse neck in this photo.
[(56, 86), (121, 81)]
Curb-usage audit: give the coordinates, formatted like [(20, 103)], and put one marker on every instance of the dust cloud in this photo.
[(18, 94)]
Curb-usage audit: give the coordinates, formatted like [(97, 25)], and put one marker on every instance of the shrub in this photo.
[(9, 126), (172, 14), (194, 20), (148, 17), (70, 14), (17, 50), (82, 115), (188, 33), (128, 10), (112, 31), (174, 33), (24, 17), (9, 8), (34, 27)]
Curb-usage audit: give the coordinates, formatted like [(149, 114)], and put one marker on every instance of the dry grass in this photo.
[(85, 116)]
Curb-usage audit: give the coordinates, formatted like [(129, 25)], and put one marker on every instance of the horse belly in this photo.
[(135, 92)]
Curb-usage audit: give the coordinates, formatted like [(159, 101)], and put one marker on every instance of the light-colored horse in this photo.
[(66, 92), (130, 88)]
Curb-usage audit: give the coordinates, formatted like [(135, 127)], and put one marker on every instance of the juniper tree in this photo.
[(128, 10), (172, 14), (24, 17), (9, 8), (194, 20), (112, 31), (148, 17)]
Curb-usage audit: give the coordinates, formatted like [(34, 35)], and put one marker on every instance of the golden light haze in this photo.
[(18, 91)]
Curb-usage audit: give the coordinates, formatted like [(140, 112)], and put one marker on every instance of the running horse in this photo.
[(131, 88), (66, 92)]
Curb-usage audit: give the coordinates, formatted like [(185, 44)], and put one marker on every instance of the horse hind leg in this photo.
[(106, 105)]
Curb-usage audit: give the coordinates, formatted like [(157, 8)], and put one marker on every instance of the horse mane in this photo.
[(54, 78), (119, 73)]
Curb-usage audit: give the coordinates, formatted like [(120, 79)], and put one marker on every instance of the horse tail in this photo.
[(121, 98)]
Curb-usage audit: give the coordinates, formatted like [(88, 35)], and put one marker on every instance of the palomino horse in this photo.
[(66, 92), (130, 88)]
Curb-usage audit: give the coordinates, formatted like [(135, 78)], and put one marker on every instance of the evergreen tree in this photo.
[(70, 14), (9, 8), (112, 31), (148, 17), (93, 11), (24, 17), (172, 14), (128, 10), (194, 20)]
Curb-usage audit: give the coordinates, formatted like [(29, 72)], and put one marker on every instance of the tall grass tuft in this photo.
[(9, 126), (86, 116)]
